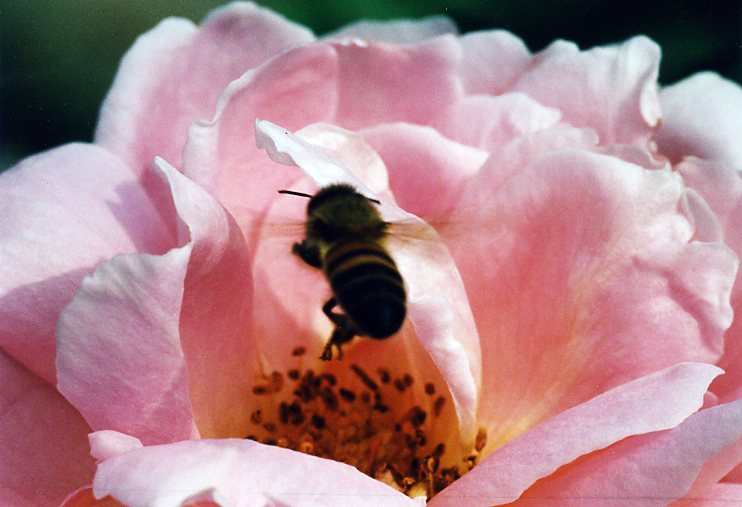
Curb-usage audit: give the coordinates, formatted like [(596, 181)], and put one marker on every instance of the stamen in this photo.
[(358, 420)]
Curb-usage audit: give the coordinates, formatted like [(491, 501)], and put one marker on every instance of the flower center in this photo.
[(361, 420)]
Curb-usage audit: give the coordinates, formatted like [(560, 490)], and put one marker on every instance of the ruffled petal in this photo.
[(491, 61), (185, 316), (43, 443), (215, 318), (702, 116), (426, 170), (400, 31), (220, 154), (64, 211), (485, 122), (650, 470), (380, 83), (720, 495), (174, 73), (721, 187), (119, 357), (236, 472), (610, 89), (649, 404), (587, 277)]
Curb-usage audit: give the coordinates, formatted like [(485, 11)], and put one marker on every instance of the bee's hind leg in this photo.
[(343, 332)]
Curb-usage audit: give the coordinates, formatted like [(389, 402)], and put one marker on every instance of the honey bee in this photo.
[(344, 235)]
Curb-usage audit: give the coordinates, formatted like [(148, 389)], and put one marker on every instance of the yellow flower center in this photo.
[(361, 420)]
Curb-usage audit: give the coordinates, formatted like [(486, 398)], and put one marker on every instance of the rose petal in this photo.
[(64, 211), (400, 31), (405, 83), (84, 497), (236, 472), (108, 443), (181, 305), (575, 291), (220, 155), (610, 89), (485, 122), (720, 495), (649, 469), (215, 331), (491, 61), (656, 402), (721, 187), (118, 341), (142, 116), (426, 170), (702, 116), (43, 448)]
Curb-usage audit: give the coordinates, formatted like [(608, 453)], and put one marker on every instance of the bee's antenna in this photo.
[(292, 192)]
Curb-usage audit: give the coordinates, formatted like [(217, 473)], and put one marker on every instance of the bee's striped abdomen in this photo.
[(368, 286)]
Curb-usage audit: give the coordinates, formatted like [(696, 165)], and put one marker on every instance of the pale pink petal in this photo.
[(119, 356), (174, 73), (610, 89), (720, 495), (485, 122), (84, 497), (215, 312), (702, 116), (721, 187), (63, 212), (438, 307), (491, 61), (331, 83), (108, 443), (401, 31), (587, 277), (237, 473), (656, 402), (43, 440), (180, 314), (426, 170), (651, 470), (379, 83), (221, 155)]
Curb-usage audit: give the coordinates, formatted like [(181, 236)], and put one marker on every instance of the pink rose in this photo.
[(569, 317)]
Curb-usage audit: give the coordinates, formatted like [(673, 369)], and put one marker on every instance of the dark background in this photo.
[(58, 57)]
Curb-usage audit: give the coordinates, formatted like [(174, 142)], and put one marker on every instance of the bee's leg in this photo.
[(308, 252), (343, 332)]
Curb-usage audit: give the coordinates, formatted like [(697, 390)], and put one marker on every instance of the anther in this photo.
[(367, 381)]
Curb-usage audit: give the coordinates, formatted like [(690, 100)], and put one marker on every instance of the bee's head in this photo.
[(339, 212)]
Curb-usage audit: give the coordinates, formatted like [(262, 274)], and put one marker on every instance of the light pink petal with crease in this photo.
[(720, 186), (164, 339), (651, 470), (587, 278), (486, 122), (649, 404), (174, 73), (491, 61), (119, 358), (610, 89), (63, 212), (215, 318), (237, 473), (702, 116), (43, 440), (401, 31)]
